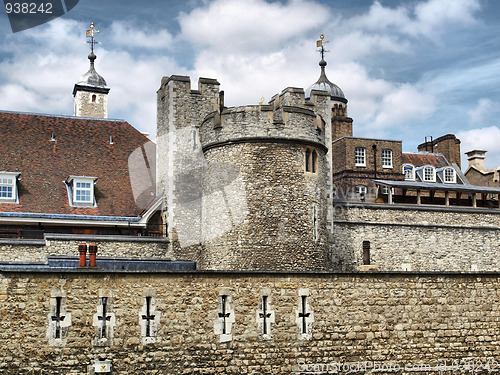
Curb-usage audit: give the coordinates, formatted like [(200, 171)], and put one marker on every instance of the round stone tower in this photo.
[(265, 186)]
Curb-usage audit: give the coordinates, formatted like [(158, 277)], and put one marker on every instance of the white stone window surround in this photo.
[(360, 157), (409, 172), (265, 316), (104, 320), (81, 192), (304, 315), (149, 318), (8, 187), (386, 158), (224, 316), (59, 319)]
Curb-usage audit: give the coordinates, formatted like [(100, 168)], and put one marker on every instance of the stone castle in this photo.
[(286, 246)]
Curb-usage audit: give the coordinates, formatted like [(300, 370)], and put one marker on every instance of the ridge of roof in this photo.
[(61, 116)]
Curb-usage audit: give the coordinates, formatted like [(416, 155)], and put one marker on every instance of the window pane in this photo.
[(359, 156)]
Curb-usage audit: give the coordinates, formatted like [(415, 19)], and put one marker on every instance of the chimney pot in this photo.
[(92, 255), (82, 249)]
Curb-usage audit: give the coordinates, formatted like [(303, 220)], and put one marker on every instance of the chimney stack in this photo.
[(476, 159)]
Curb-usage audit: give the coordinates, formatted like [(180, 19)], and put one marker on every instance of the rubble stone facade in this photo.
[(402, 320)]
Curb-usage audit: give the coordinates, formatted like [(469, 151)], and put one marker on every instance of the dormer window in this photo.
[(81, 191), (429, 174), (409, 172), (8, 187), (450, 176)]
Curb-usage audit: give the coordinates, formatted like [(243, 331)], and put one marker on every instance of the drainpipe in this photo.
[(82, 249), (375, 160), (92, 255)]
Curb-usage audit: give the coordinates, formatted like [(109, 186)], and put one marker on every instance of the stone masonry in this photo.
[(417, 239), (404, 321)]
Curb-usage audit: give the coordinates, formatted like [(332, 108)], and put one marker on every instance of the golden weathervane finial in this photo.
[(321, 44), (90, 34), (261, 101)]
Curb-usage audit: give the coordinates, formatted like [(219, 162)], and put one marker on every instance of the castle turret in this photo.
[(90, 92), (245, 187)]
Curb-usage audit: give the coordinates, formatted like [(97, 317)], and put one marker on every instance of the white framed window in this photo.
[(385, 190), (360, 157), (449, 176), (409, 172), (8, 187), (429, 173), (360, 189), (386, 158), (81, 190)]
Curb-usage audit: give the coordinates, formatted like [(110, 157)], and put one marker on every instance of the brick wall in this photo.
[(399, 319)]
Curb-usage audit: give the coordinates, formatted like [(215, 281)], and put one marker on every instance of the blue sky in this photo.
[(409, 69)]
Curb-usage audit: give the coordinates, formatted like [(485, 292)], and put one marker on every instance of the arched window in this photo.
[(409, 172), (429, 173), (311, 160), (366, 252)]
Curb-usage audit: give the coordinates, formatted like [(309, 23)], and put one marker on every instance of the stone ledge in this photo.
[(21, 242), (103, 238)]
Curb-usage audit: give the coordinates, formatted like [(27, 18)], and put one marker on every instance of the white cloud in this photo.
[(246, 26), (483, 139), (126, 34), (427, 19), (483, 109)]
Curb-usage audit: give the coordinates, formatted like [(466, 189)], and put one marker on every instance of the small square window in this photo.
[(8, 187), (360, 157), (81, 191)]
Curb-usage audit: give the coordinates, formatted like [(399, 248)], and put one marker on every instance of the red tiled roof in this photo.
[(125, 169), (421, 159)]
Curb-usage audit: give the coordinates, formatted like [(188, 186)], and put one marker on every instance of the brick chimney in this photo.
[(476, 159)]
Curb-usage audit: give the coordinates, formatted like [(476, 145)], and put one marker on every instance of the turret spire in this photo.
[(323, 83), (91, 93)]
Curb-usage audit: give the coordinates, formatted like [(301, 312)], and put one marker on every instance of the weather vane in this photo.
[(321, 44), (90, 34)]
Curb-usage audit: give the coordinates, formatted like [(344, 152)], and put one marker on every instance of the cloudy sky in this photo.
[(409, 68)]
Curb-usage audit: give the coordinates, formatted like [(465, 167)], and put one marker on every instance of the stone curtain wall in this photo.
[(404, 238), (393, 320), (27, 252)]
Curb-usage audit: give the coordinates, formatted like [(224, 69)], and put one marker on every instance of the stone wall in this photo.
[(262, 211), (392, 321), (28, 251), (419, 239)]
